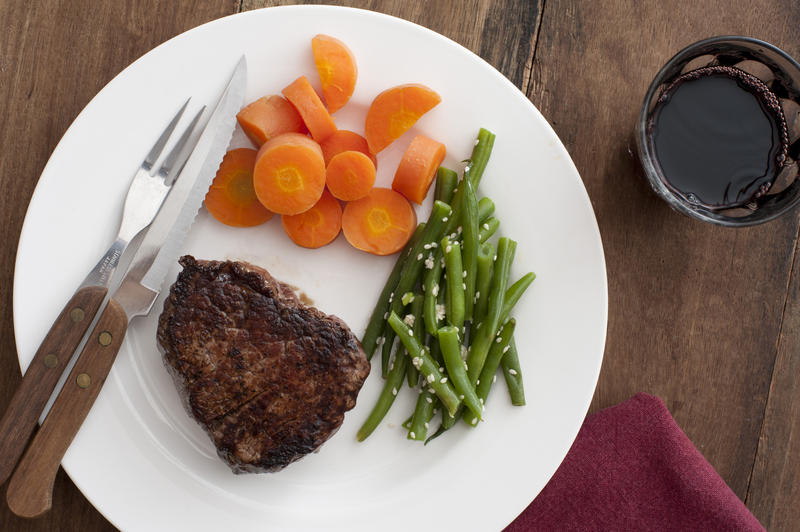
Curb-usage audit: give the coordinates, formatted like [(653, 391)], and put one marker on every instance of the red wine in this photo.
[(719, 137)]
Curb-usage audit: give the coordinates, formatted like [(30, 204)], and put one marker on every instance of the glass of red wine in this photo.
[(718, 136)]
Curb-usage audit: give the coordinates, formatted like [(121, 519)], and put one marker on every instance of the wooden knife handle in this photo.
[(30, 490), (21, 416)]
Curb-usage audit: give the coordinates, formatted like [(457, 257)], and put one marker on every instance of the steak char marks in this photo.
[(268, 377)]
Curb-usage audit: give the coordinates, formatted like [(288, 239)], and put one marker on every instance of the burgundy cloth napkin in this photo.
[(632, 468)]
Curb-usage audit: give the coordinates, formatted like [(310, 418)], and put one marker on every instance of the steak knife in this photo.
[(145, 195), (31, 487)]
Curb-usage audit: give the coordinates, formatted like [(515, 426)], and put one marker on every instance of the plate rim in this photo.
[(35, 196)]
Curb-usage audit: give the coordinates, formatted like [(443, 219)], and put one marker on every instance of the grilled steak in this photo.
[(268, 377)]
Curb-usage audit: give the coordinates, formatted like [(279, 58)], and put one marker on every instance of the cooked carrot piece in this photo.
[(337, 70), (316, 227), (415, 172), (394, 111), (231, 198), (269, 116), (344, 140), (289, 174), (305, 99), (379, 223), (350, 175)]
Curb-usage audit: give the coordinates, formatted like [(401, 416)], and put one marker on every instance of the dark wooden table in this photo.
[(704, 317)]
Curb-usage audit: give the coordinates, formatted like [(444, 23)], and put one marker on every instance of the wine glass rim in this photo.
[(646, 157)]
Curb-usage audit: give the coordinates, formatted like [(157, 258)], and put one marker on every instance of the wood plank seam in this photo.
[(528, 73), (772, 372)]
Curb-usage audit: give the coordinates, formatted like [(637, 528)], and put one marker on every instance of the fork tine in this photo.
[(177, 157), (155, 151)]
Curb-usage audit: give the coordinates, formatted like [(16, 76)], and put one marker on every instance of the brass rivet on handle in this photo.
[(50, 361), (83, 380), (104, 338), (76, 314)]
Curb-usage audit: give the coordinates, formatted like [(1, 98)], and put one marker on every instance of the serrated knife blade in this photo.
[(164, 240)]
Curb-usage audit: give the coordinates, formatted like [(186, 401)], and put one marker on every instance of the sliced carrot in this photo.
[(305, 99), (316, 227), (289, 174), (350, 175), (394, 111), (344, 140), (417, 168), (379, 223), (337, 70), (231, 198), (269, 116)]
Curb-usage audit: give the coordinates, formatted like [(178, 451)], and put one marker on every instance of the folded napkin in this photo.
[(632, 468)]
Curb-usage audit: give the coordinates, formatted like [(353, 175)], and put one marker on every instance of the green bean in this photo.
[(454, 298), (407, 298), (483, 280), (487, 329), (421, 358), (473, 172), (417, 327), (387, 345), (416, 262), (442, 429), (488, 228), (454, 219), (469, 246), (412, 375), (436, 352), (423, 413), (513, 374), (425, 408), (485, 209), (499, 347), (511, 360), (441, 298), (480, 157), (394, 382), (515, 292), (427, 402), (377, 321), (450, 345), (413, 266), (446, 182), (448, 419), (432, 286)]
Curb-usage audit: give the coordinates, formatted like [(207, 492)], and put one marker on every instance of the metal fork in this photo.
[(145, 196)]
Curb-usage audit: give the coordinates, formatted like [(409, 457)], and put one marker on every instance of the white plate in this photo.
[(140, 459)]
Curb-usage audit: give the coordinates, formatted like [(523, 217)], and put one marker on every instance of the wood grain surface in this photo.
[(54, 57), (695, 309), (707, 318), (774, 488)]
